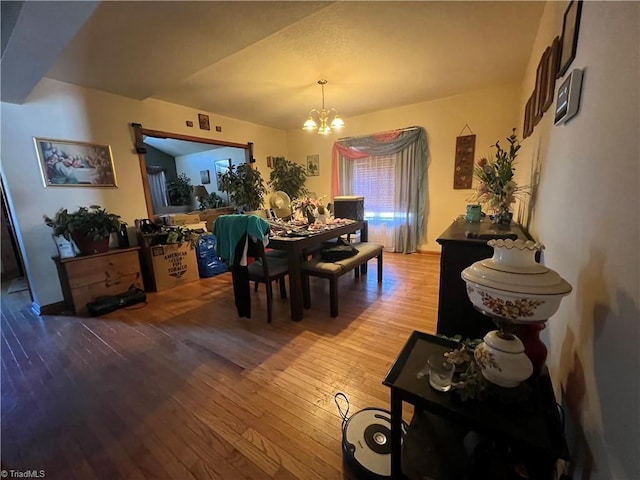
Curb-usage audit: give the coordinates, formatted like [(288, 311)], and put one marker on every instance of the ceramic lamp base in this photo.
[(534, 348), (502, 360)]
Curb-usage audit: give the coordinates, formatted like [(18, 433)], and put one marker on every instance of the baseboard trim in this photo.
[(428, 252)]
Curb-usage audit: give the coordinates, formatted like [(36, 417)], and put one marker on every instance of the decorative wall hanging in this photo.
[(66, 163), (540, 93), (570, 27), (313, 165), (465, 152), (205, 177), (527, 128), (203, 120), (542, 96), (552, 71)]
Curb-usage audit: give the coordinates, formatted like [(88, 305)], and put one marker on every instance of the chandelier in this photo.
[(323, 117)]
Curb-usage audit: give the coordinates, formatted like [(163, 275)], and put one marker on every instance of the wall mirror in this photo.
[(168, 159)]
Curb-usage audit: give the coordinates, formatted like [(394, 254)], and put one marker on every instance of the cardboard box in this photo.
[(172, 265), (181, 218), (209, 216), (351, 207)]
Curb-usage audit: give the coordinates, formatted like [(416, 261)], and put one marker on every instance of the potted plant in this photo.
[(244, 185), (211, 200), (90, 227), (288, 177), (180, 190), (497, 188), (61, 233)]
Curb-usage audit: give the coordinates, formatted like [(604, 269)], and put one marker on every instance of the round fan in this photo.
[(280, 203)]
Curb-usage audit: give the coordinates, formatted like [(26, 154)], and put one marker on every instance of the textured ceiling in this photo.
[(260, 61)]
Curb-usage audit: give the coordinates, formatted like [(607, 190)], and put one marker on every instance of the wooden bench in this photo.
[(316, 267)]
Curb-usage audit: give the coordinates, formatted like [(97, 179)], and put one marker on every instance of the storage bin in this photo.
[(351, 207)]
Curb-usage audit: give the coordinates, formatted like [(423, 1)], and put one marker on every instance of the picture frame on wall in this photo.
[(552, 72), (67, 163), (205, 177), (313, 165), (540, 91), (570, 30), (527, 127), (203, 121)]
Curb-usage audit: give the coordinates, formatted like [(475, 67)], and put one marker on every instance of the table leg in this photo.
[(294, 256), (364, 237), (396, 435)]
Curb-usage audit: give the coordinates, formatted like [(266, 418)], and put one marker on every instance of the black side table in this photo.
[(535, 427)]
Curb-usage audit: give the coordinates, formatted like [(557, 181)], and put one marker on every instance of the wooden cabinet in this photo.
[(88, 277), (463, 244)]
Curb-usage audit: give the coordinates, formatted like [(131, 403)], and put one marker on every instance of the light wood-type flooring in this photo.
[(181, 388)]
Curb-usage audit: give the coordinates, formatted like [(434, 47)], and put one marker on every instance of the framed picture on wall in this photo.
[(570, 28), (552, 71), (66, 163), (313, 165), (205, 177), (203, 120)]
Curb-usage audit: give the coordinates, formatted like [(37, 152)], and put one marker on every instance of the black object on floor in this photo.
[(102, 305)]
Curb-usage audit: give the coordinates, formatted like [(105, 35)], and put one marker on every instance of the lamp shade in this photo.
[(200, 191), (512, 286)]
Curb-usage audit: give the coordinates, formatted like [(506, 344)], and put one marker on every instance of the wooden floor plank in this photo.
[(182, 388)]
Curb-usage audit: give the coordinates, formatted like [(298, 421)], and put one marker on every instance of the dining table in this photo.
[(297, 241)]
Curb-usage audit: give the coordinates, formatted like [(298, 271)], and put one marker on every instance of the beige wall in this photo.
[(586, 212), (59, 110), (490, 113)]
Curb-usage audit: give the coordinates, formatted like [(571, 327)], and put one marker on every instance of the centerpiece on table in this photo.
[(496, 187), (308, 209)]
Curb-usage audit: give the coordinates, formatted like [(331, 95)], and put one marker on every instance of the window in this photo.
[(374, 179)]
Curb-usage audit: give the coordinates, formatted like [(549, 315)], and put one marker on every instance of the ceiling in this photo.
[(260, 61)]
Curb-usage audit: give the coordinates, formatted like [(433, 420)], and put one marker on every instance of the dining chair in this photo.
[(265, 269), (240, 239)]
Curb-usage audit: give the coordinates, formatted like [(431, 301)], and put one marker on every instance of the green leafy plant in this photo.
[(244, 185), (60, 223), (93, 222), (179, 234), (180, 190), (211, 200), (289, 177)]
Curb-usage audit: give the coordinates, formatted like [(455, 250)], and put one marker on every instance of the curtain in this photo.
[(158, 187), (402, 229)]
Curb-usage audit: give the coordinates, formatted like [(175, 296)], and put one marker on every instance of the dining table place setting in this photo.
[(297, 228)]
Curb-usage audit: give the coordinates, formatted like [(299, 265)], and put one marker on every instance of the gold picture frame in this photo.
[(67, 163)]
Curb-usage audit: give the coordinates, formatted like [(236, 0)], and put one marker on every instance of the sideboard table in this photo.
[(534, 427), (463, 244)]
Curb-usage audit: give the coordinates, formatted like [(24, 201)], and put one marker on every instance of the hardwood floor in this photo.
[(181, 388)]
